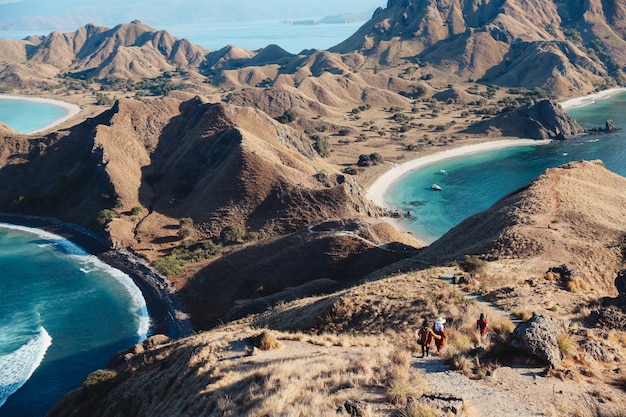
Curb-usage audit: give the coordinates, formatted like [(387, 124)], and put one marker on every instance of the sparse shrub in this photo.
[(369, 160), (264, 341), (566, 347), (473, 265), (415, 409), (99, 377), (287, 117), (135, 211), (523, 315)]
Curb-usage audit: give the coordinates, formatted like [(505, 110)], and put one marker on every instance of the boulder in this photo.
[(538, 337)]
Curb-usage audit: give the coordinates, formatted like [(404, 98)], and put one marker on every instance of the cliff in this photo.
[(542, 120)]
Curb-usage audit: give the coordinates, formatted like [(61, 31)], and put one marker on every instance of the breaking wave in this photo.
[(18, 366)]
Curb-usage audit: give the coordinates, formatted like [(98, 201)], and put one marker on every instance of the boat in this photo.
[(435, 187), (443, 172)]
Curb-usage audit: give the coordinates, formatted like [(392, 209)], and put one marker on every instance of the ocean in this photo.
[(473, 183), (64, 313)]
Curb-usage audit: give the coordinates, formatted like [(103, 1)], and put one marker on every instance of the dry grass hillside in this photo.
[(522, 43), (570, 215)]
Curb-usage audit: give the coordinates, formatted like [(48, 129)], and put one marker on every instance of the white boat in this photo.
[(435, 187), (443, 172)]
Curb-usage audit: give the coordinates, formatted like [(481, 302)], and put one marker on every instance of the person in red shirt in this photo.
[(481, 325)]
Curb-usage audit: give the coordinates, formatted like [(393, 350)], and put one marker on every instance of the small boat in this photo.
[(435, 187), (443, 172)]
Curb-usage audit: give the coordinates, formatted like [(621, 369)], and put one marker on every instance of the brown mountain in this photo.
[(572, 214), (132, 50), (559, 46)]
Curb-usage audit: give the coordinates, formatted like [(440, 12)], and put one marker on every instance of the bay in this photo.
[(26, 116), (473, 183), (64, 313)]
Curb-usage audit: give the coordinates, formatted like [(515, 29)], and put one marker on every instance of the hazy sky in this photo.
[(108, 12)]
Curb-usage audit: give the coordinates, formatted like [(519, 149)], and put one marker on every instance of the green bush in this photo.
[(232, 234), (105, 216)]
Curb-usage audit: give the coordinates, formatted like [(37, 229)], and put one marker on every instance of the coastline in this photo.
[(72, 109), (376, 192), (590, 98), (164, 306)]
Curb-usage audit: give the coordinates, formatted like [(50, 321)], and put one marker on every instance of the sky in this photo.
[(24, 14)]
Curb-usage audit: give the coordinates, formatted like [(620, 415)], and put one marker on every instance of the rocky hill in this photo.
[(132, 50), (560, 46), (541, 120), (572, 214), (330, 349)]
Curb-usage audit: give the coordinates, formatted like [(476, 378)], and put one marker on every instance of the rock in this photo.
[(599, 351), (538, 337), (353, 408), (447, 403)]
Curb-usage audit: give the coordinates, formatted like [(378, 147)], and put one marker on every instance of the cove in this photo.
[(30, 115), (473, 183)]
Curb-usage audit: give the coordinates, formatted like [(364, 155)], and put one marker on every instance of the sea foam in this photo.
[(18, 366), (89, 263)]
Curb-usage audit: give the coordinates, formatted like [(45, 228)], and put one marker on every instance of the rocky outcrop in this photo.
[(542, 120), (538, 337), (509, 43)]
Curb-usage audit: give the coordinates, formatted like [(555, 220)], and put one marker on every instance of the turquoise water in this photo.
[(63, 314), (474, 183), (25, 116)]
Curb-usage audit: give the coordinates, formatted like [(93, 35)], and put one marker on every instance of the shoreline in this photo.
[(164, 307), (583, 101), (72, 109), (376, 192)]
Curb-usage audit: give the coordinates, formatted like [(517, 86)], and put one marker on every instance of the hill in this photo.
[(559, 46), (571, 214), (352, 348), (132, 51)]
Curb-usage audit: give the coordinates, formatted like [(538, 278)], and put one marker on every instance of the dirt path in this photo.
[(485, 400)]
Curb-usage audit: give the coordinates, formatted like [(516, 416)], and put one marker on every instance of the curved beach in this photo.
[(164, 307), (72, 109), (377, 190)]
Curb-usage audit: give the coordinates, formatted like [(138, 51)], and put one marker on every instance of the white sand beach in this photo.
[(377, 191), (591, 98), (72, 109)]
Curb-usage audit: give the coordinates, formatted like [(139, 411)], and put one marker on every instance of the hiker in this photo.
[(424, 337), (481, 325), (439, 334)]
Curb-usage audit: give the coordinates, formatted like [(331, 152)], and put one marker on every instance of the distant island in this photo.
[(332, 20)]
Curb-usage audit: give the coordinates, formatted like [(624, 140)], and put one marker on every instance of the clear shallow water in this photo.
[(25, 116), (63, 314), (474, 183)]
